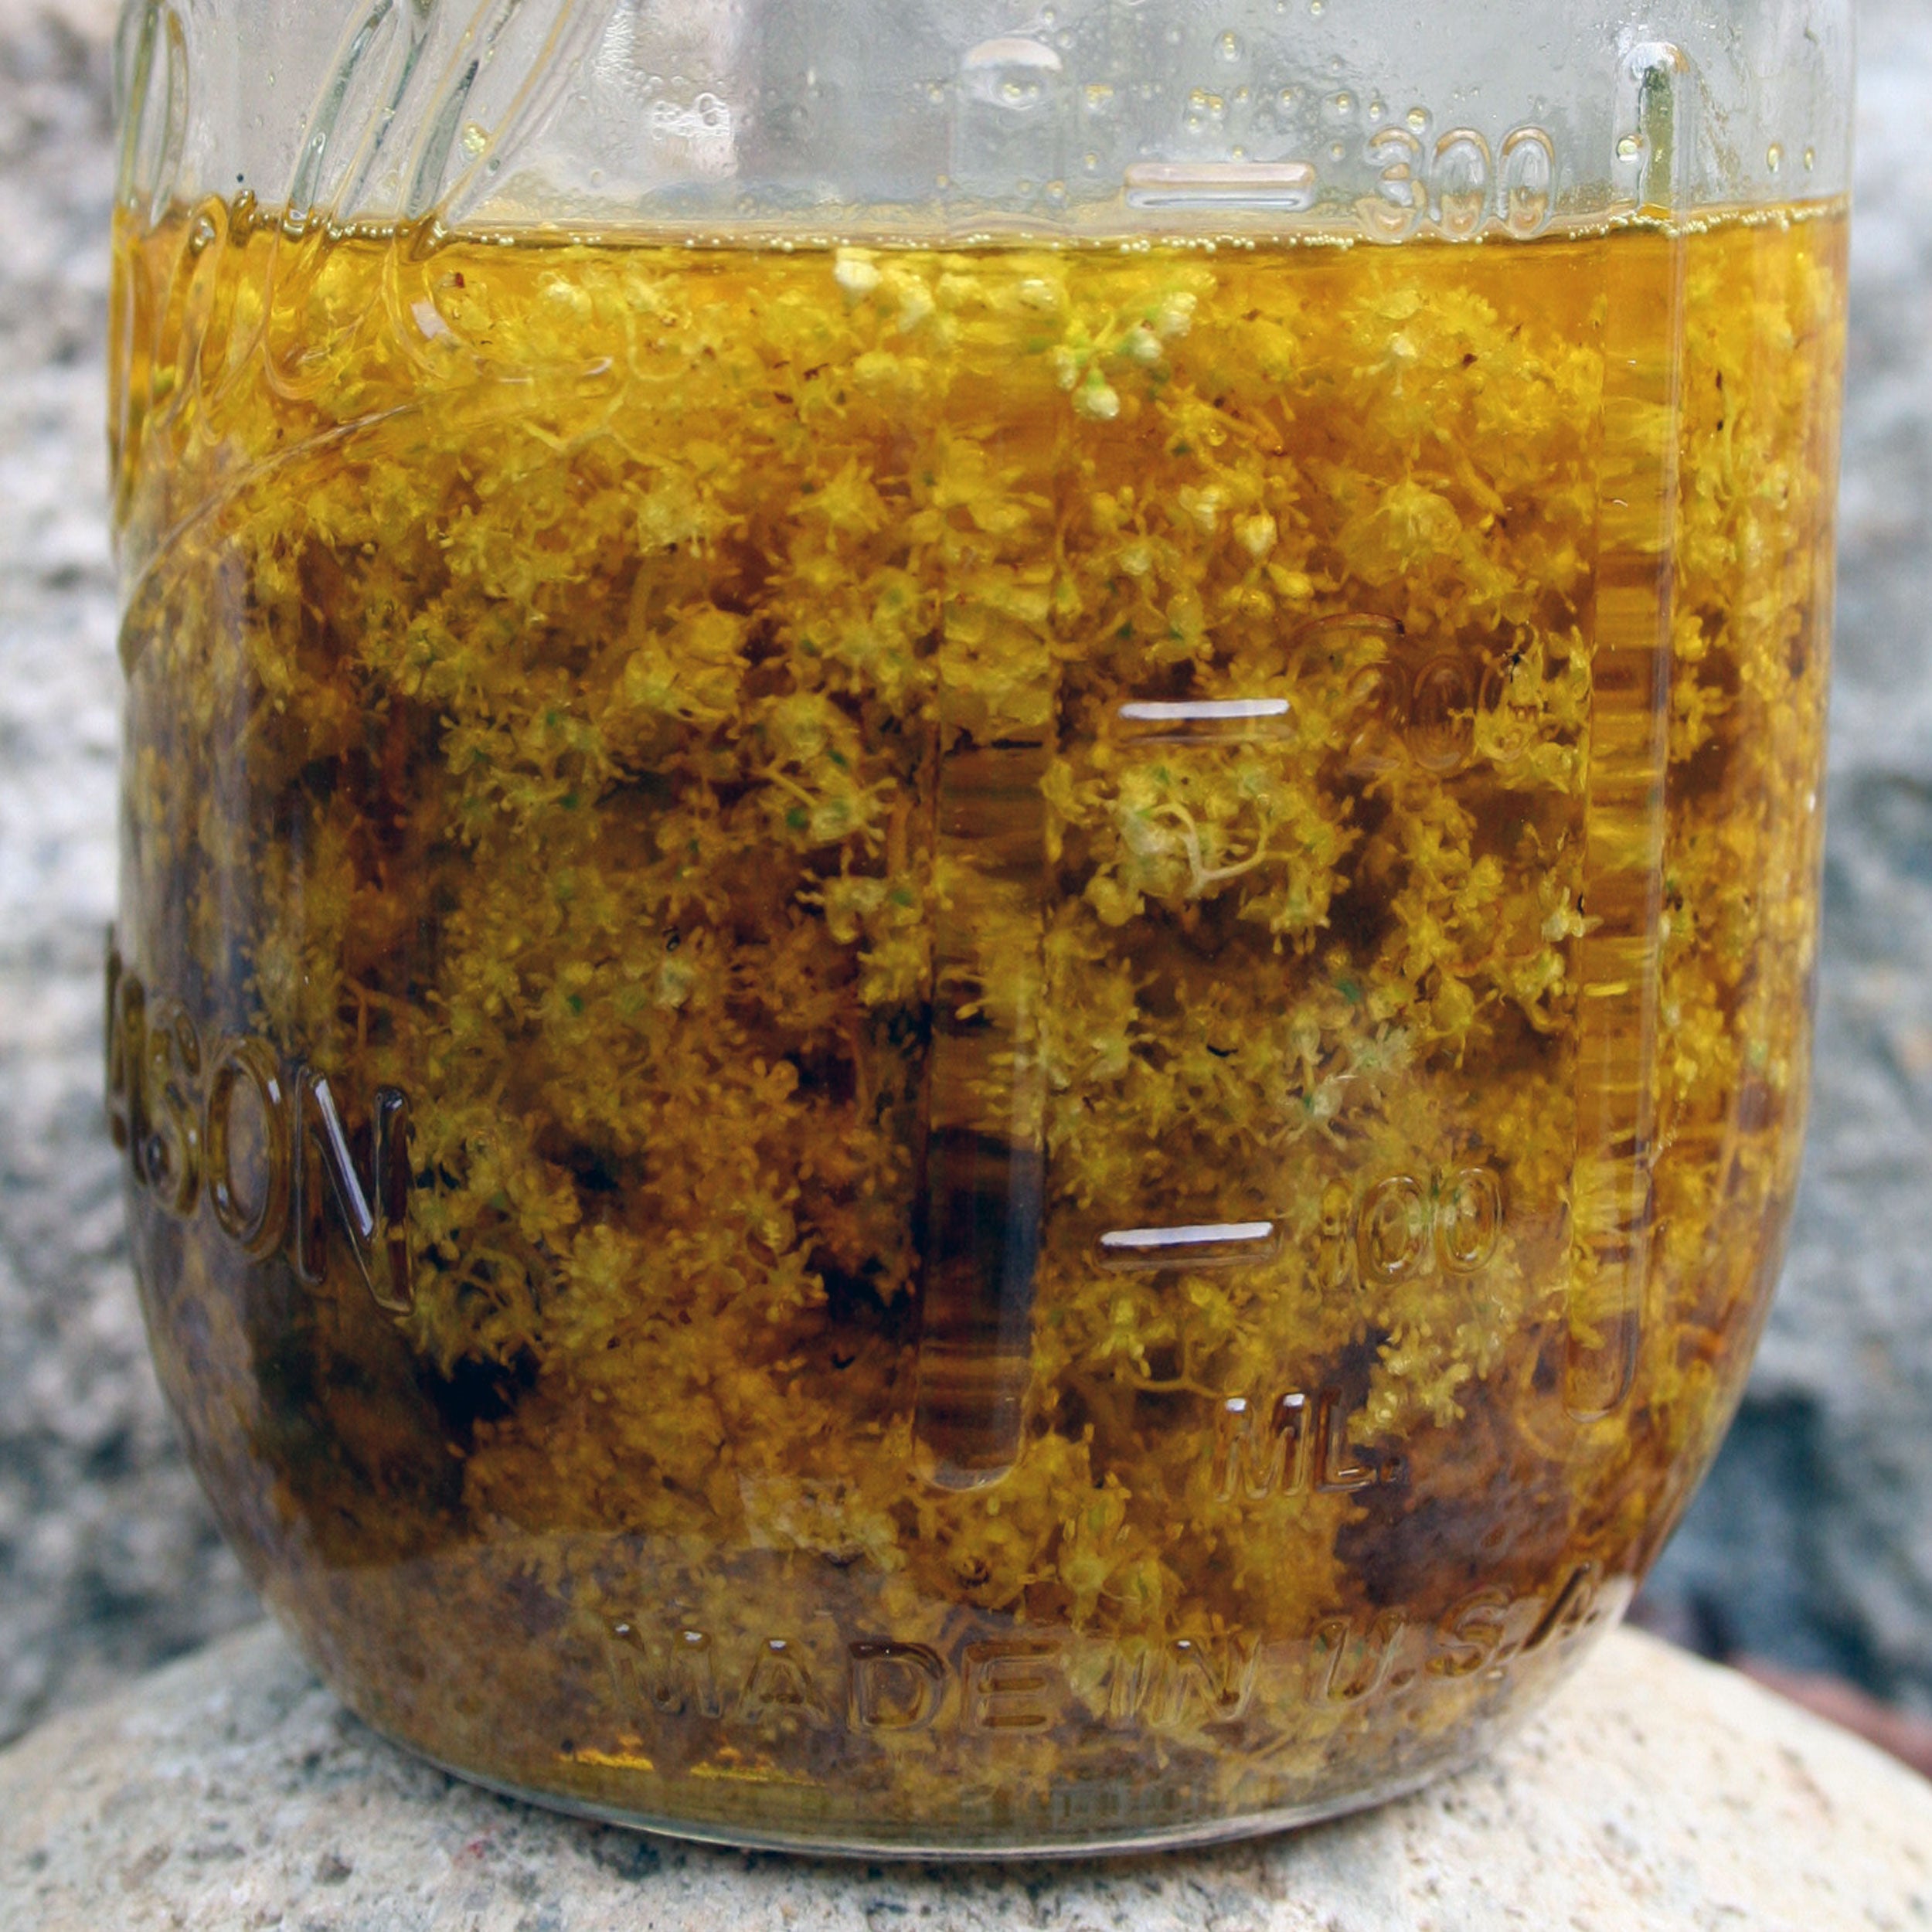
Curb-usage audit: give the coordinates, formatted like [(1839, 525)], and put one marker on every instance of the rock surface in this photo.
[(108, 1559), (232, 1792), (1814, 1544)]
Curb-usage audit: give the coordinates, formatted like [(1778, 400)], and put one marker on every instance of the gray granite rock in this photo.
[(231, 1794), (1813, 1545), (1813, 1541), (108, 1559)]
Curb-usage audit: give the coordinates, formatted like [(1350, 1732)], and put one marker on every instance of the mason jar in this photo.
[(970, 866)]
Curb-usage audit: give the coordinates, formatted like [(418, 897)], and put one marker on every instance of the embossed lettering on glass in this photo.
[(970, 866)]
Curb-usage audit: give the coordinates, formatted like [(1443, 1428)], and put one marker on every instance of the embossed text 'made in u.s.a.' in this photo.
[(1034, 1680)]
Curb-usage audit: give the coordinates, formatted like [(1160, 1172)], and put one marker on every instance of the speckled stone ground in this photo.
[(1813, 1541), (108, 1560), (231, 1794), (1813, 1545)]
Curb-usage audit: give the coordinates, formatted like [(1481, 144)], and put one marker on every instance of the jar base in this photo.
[(913, 1846)]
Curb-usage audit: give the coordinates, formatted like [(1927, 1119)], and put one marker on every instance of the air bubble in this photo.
[(1230, 47), (1774, 156), (1318, 8), (1011, 72), (476, 137), (1418, 119), (1811, 159), (1630, 147), (1203, 107)]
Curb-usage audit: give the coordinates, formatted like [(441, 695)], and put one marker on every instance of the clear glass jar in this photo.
[(970, 866)]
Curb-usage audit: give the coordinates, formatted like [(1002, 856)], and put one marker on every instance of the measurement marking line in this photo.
[(1207, 711), (1287, 185), (1213, 1233)]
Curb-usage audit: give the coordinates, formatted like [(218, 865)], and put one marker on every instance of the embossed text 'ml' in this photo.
[(229, 1127), (1298, 1445)]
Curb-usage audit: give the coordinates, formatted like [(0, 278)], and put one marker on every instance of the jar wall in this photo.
[(943, 118), (931, 1034)]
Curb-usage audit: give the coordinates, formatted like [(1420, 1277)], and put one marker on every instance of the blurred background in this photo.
[(1810, 1550)]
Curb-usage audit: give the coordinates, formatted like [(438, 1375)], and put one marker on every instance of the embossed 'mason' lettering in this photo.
[(260, 1142)]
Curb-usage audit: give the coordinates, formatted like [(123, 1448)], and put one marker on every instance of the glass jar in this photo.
[(970, 866)]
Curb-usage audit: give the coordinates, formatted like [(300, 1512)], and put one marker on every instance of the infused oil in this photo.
[(954, 1047)]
